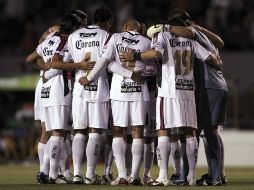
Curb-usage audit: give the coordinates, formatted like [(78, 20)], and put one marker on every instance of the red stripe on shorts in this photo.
[(162, 124)]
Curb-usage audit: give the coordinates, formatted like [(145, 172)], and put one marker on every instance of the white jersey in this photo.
[(56, 91), (125, 89), (177, 65), (89, 42)]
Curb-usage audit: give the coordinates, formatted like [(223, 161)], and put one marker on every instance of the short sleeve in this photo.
[(158, 42)]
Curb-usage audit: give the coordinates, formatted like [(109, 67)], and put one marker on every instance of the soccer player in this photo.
[(175, 102), (128, 98), (56, 93)]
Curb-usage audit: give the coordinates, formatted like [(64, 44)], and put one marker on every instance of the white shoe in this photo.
[(161, 182), (119, 181), (78, 179), (147, 180), (97, 180), (191, 181)]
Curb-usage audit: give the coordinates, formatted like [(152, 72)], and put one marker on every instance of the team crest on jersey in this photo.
[(93, 86), (130, 41), (45, 91), (87, 35), (127, 87)]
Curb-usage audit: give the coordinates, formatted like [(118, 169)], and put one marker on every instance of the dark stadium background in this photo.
[(23, 21)]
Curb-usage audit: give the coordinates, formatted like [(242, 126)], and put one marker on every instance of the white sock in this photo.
[(92, 154), (137, 151), (78, 149), (64, 161), (108, 154), (41, 148), (118, 147), (55, 148), (128, 158), (192, 151), (158, 154), (175, 156), (45, 162), (148, 158), (163, 155)]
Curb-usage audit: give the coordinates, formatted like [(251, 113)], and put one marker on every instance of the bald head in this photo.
[(131, 25)]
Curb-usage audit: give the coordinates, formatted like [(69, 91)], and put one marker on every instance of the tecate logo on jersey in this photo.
[(80, 44), (175, 43)]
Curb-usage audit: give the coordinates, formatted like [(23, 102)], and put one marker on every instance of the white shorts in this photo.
[(38, 109), (150, 126), (172, 113), (57, 117), (90, 114), (128, 113)]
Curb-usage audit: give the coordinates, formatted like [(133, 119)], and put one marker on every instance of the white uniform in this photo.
[(175, 103), (90, 103), (55, 93), (128, 98)]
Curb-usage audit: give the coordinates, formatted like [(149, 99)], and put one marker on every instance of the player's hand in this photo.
[(138, 76), (154, 29), (47, 66), (127, 56), (84, 81), (87, 65)]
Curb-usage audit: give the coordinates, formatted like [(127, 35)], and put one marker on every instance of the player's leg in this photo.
[(128, 153), (98, 122), (120, 120), (175, 156), (80, 117), (148, 159)]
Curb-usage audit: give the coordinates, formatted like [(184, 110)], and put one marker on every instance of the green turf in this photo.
[(21, 177)]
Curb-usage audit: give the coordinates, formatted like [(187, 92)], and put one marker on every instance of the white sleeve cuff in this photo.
[(118, 69), (51, 73)]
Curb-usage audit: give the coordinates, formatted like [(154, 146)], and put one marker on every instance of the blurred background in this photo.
[(23, 21)]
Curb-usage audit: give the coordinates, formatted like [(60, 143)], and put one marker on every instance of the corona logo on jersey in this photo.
[(80, 44), (175, 43), (47, 52)]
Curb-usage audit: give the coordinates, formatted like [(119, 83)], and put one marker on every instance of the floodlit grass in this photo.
[(21, 177)]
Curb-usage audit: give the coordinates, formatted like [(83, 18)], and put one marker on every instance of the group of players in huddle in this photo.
[(129, 88)]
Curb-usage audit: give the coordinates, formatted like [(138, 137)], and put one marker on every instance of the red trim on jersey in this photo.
[(62, 43), (106, 42), (162, 124)]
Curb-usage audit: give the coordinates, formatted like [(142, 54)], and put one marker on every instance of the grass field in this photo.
[(13, 177)]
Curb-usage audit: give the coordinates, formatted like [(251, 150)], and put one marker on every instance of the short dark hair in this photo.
[(79, 13), (179, 17), (69, 23), (102, 14)]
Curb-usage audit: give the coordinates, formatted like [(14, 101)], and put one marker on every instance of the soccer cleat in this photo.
[(56, 181), (147, 180), (67, 180), (42, 178), (174, 178), (224, 180), (202, 180), (161, 182), (191, 181), (119, 181), (216, 182), (97, 180), (136, 182), (78, 179), (107, 178)]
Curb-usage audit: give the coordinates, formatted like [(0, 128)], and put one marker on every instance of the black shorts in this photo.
[(211, 107)]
